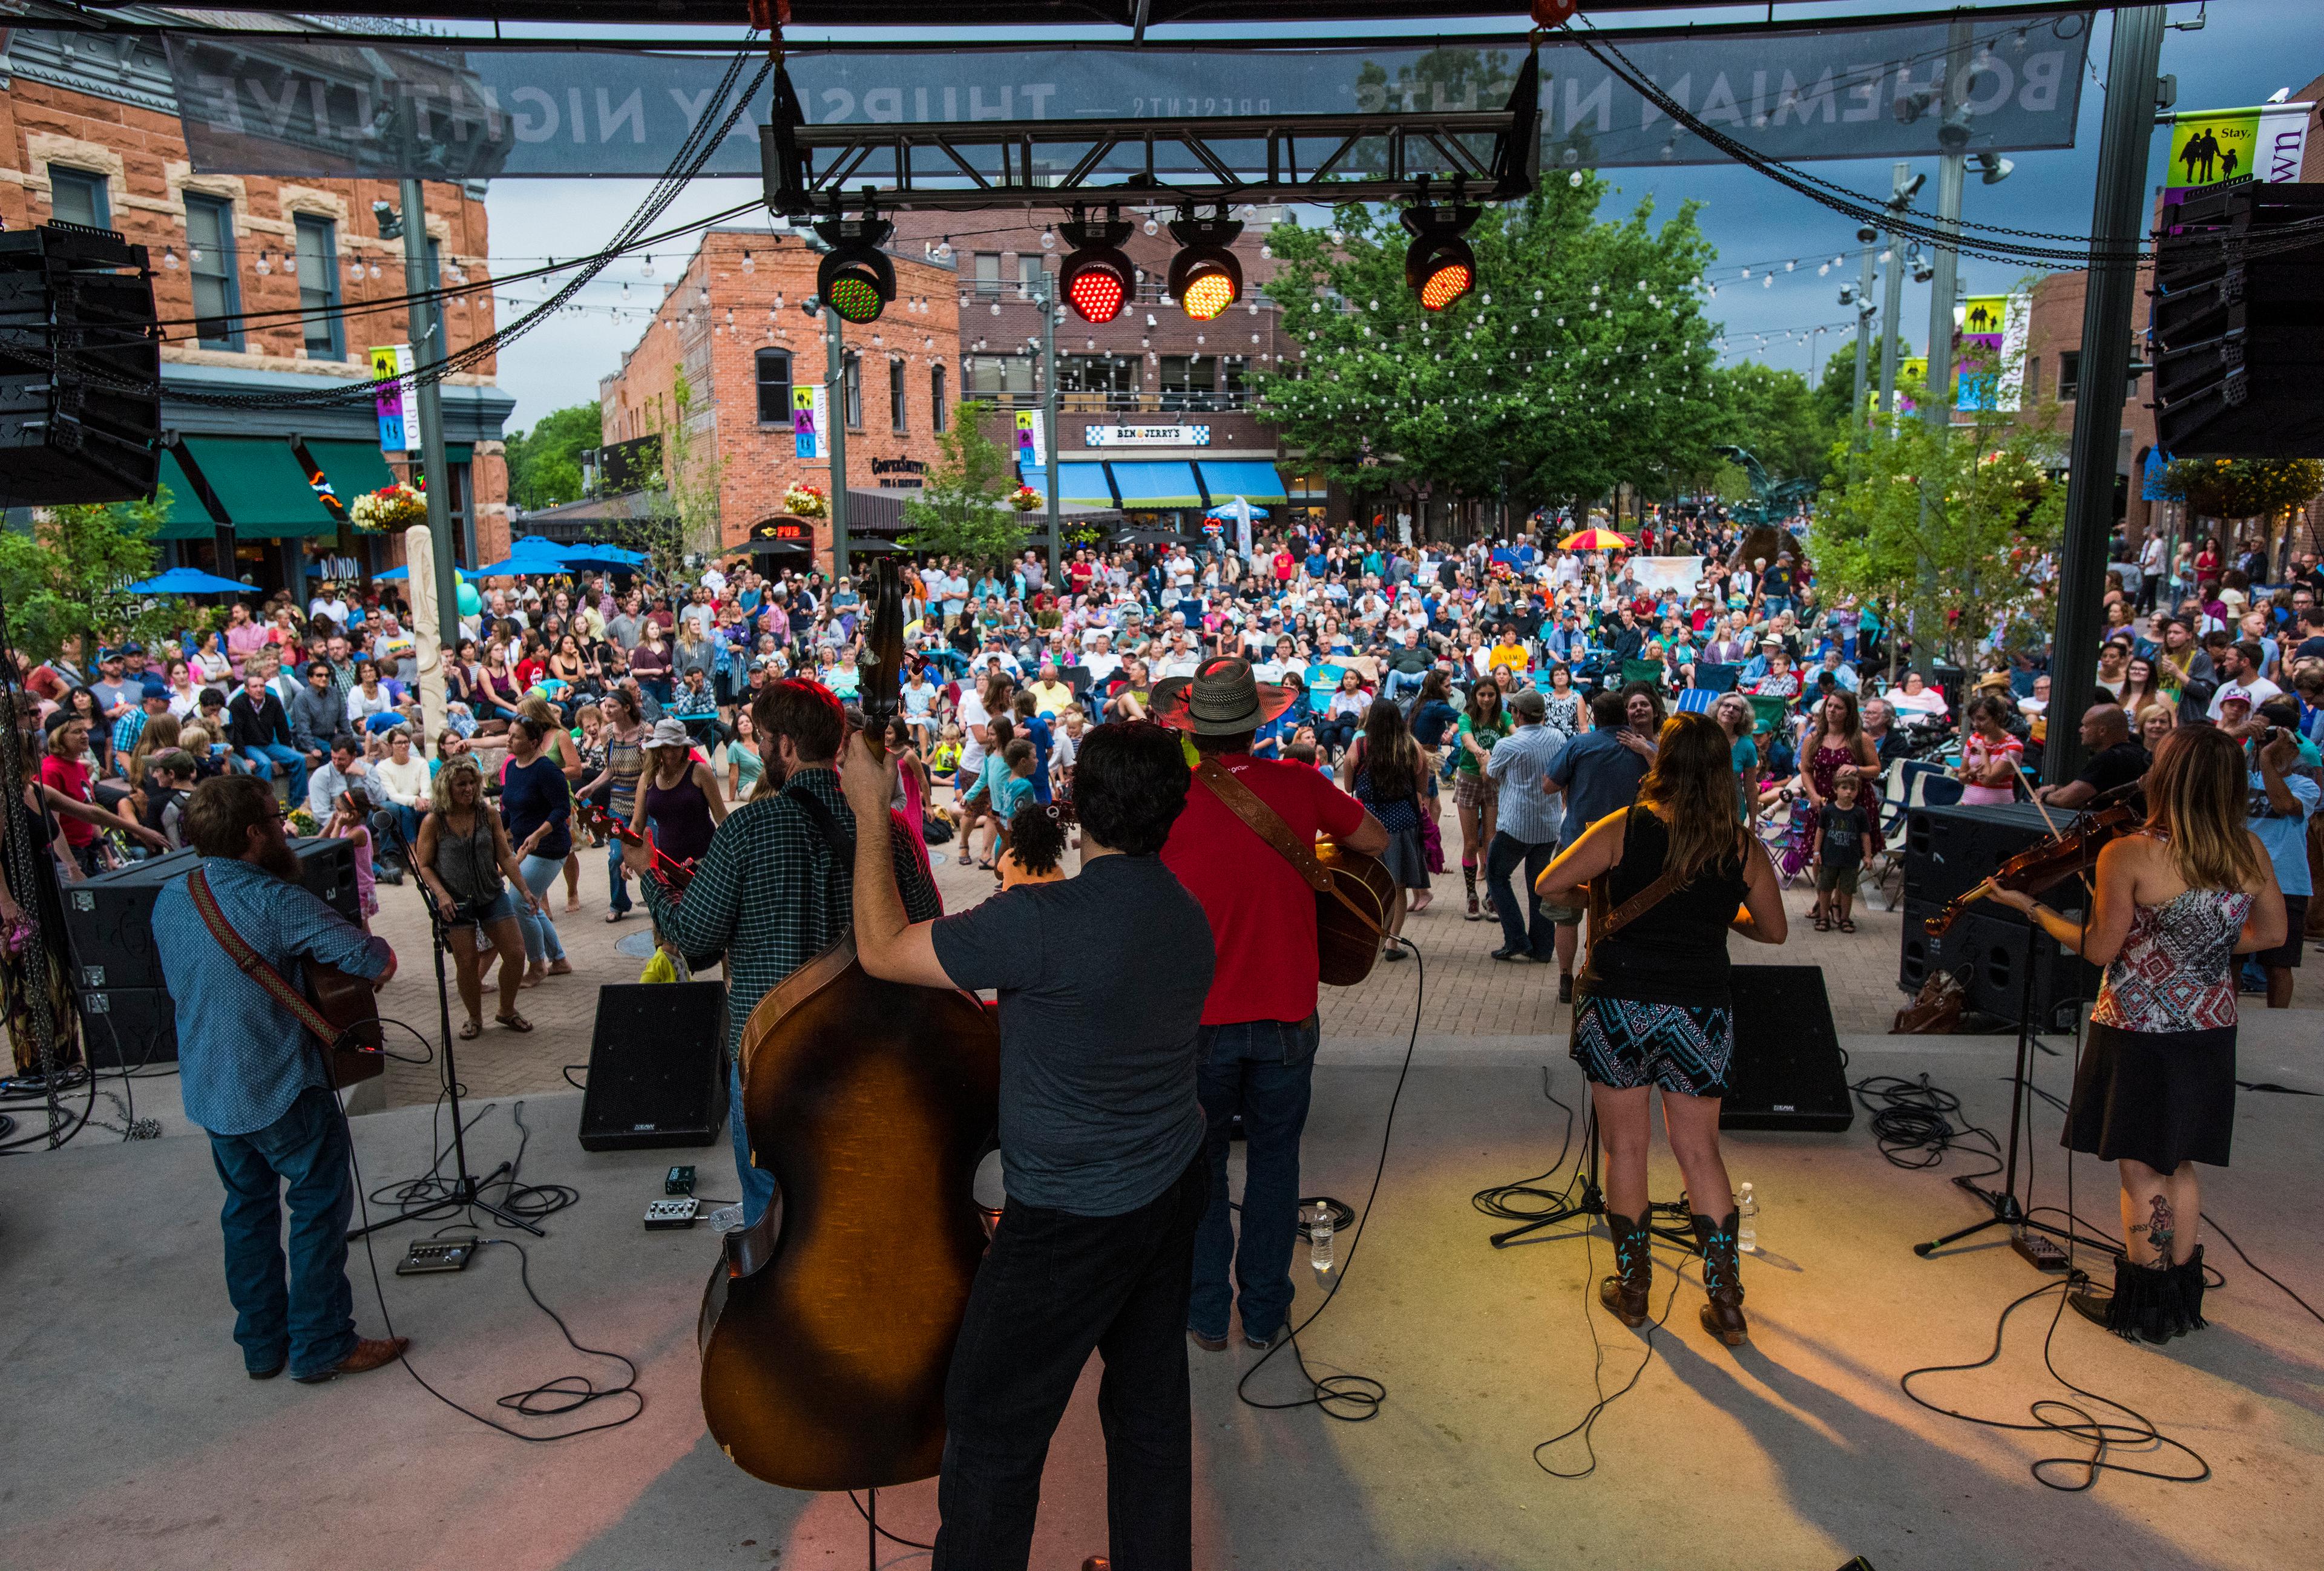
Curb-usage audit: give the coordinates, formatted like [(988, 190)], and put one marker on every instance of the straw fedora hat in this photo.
[(1222, 698)]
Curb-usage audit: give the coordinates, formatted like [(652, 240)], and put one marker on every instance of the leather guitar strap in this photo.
[(254, 966), (1267, 823)]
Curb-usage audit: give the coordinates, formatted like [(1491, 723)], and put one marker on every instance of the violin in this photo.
[(676, 872), (2064, 855), (827, 1328)]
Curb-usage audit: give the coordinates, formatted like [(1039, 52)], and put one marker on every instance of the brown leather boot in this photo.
[(1624, 1293), (371, 1353), (1722, 1279)]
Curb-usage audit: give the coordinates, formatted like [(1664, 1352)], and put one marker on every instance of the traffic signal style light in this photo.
[(1205, 278), (1439, 268), (1095, 278), (855, 278)]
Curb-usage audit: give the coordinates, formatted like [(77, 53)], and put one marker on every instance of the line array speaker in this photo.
[(76, 321), (2235, 334)]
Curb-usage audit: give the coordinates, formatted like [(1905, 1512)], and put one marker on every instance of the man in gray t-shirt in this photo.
[(1102, 979)]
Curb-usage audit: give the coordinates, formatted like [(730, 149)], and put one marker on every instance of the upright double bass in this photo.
[(827, 1328)]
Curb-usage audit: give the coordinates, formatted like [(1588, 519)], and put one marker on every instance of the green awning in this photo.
[(353, 469), (187, 519), (259, 481), (1157, 485), (459, 452)]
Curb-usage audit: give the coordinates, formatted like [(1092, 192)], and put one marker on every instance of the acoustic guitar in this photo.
[(351, 1005), (1354, 892)]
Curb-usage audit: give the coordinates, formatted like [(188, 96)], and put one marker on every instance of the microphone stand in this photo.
[(1592, 1203), (467, 1188)]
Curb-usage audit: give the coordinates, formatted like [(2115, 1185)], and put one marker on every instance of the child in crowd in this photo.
[(1013, 791), (982, 803), (1036, 846), (945, 759), (347, 822), (171, 775), (1844, 842)]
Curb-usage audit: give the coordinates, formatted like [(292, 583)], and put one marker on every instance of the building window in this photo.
[(2033, 377), (210, 261), (1000, 376), (896, 395), (774, 388), (1028, 273), (1106, 380), (939, 416), (854, 393), (2069, 373), (1190, 381), (319, 286), (988, 273), (77, 196)]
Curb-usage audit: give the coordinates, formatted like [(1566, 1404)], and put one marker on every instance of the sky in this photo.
[(2239, 57)]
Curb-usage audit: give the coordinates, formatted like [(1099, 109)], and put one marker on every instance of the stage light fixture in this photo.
[(1439, 268), (1205, 278), (855, 277), (1095, 278)]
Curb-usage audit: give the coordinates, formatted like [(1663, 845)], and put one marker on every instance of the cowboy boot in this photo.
[(2189, 1275), (1469, 879), (1624, 1294), (2143, 1306), (1722, 1279)]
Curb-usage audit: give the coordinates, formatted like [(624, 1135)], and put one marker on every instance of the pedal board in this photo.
[(429, 1257), (683, 1212)]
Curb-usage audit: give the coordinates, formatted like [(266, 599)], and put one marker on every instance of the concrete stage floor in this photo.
[(133, 1439)]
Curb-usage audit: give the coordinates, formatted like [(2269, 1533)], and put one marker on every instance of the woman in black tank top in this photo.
[(1653, 1006)]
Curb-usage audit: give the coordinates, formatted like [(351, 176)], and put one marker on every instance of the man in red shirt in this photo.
[(1259, 1032)]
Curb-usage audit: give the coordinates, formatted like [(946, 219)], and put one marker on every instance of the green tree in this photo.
[(544, 464), (1581, 361), (66, 577), (1837, 389), (1949, 527), (963, 511), (1777, 415)]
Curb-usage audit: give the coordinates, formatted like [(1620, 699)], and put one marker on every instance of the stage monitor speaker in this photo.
[(109, 919), (1951, 850), (2236, 328), (657, 1066), (1989, 954), (128, 1028), (1786, 1072), (81, 367)]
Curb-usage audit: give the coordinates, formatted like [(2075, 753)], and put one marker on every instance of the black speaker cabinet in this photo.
[(1991, 956), (109, 919), (81, 367), (657, 1066), (2236, 326), (128, 1028), (1786, 1072), (1951, 850)]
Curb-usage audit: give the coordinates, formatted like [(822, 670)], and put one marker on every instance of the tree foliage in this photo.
[(2243, 487), (1774, 412), (544, 464), (1951, 526), (65, 578), (1581, 361), (960, 511)]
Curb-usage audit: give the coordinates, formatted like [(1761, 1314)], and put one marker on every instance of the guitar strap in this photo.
[(254, 966), (1267, 823)]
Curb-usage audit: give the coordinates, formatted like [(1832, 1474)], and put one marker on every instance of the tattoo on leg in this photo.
[(2161, 1227)]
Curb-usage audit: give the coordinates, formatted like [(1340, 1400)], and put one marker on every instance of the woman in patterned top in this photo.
[(2155, 1091)]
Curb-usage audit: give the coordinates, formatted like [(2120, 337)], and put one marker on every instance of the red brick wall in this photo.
[(718, 342)]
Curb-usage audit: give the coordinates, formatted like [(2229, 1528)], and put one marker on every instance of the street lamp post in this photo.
[(1892, 302)]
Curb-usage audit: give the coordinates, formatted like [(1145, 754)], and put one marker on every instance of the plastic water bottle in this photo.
[(1319, 1241), (1747, 1221)]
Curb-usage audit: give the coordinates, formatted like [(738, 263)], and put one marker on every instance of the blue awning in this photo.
[(1078, 485), (1157, 484), (1255, 483)]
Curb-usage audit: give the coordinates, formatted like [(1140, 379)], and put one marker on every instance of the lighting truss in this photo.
[(965, 165)]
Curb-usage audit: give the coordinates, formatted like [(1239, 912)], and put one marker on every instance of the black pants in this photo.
[(1522, 928), (1053, 1288)]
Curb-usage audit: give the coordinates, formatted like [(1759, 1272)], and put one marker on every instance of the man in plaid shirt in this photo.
[(769, 895)]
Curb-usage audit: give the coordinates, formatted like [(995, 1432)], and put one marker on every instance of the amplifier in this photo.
[(128, 1028), (1951, 850), (1990, 954), (76, 326), (657, 1066), (1787, 1071), (109, 919)]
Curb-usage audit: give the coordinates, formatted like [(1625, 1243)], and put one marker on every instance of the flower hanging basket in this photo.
[(805, 501), (1025, 499), (391, 507)]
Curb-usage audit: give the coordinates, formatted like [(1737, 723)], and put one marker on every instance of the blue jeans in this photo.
[(395, 830), (1524, 927), (311, 1322), (1262, 1069), (541, 944), (758, 1184), (1396, 684), (618, 898), (267, 757)]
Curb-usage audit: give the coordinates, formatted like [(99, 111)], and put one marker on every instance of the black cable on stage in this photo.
[(1913, 1123), (1499, 1200), (1359, 1394), (891, 1537)]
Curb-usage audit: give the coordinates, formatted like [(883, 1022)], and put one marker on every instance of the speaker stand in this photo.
[(2032, 1239), (1592, 1202), (467, 1189)]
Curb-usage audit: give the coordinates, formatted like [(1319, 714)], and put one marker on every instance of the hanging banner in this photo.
[(807, 424), (2232, 147), (388, 106), (1030, 449), (398, 408), (1989, 342)]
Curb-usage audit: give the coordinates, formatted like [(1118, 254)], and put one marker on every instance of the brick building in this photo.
[(1153, 408), (732, 323), (90, 134)]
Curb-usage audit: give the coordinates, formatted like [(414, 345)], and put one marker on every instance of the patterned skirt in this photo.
[(1622, 1043)]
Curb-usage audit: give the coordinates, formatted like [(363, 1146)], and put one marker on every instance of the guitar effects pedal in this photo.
[(673, 1213), (678, 1181), (434, 1256)]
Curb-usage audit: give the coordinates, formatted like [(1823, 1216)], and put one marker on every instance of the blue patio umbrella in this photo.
[(189, 581), (396, 575)]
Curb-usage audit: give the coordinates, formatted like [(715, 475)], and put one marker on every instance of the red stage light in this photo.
[(1447, 284), (1098, 293)]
